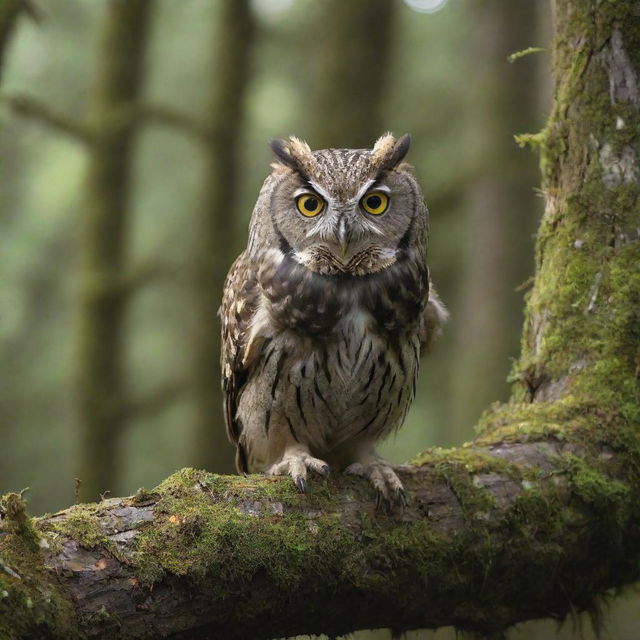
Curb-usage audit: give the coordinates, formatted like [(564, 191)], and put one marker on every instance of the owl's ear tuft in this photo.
[(388, 152), (282, 153), (400, 150), (293, 153), (383, 147)]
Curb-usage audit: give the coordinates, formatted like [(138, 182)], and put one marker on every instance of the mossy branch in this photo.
[(208, 556)]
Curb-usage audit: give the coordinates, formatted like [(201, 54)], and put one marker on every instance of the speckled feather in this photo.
[(324, 319)]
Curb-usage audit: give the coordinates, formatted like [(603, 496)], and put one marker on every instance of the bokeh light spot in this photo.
[(426, 6), (271, 9)]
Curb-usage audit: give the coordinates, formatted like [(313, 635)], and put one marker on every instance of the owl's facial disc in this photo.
[(344, 211), (344, 236)]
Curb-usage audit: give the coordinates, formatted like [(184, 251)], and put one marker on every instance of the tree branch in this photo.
[(31, 107), (207, 556)]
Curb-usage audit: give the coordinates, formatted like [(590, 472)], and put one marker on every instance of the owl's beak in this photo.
[(343, 236)]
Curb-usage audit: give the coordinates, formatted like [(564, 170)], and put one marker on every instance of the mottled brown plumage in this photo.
[(326, 313)]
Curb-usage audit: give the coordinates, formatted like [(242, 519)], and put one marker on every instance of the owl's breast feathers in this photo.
[(313, 304)]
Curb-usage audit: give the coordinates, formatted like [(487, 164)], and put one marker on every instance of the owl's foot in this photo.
[(382, 477), (296, 463)]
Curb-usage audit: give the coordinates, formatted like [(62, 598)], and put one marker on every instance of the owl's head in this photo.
[(343, 211)]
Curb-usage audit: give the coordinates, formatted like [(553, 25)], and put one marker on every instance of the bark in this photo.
[(355, 48), (103, 243), (216, 247), (502, 208), (538, 518)]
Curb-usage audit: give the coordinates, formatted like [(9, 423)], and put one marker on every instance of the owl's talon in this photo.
[(385, 482), (383, 504), (297, 463)]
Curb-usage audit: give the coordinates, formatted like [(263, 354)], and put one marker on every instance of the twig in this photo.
[(524, 52)]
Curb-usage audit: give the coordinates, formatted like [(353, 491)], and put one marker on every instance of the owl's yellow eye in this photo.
[(375, 202), (309, 204)]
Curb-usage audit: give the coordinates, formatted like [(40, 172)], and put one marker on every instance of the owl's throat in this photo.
[(322, 260)]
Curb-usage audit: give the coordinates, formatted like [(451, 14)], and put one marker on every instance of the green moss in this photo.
[(142, 496), (198, 525), (606, 495), (458, 468), (13, 511), (82, 525), (532, 140), (31, 604), (464, 457)]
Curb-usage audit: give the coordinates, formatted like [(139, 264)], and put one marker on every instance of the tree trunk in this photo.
[(215, 251), (355, 47), (9, 13), (537, 519), (103, 295), (502, 208)]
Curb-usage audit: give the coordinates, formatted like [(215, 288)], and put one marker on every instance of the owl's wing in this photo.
[(239, 303), (435, 315)]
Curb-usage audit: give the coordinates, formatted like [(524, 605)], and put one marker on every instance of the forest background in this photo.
[(210, 82)]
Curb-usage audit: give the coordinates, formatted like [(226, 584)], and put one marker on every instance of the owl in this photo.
[(326, 313)]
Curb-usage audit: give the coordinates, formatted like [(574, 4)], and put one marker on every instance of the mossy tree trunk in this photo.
[(502, 208), (354, 40), (216, 225), (537, 518), (103, 243)]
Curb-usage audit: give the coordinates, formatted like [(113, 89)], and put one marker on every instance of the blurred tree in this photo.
[(9, 12), (501, 207), (215, 250), (105, 290), (354, 41)]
